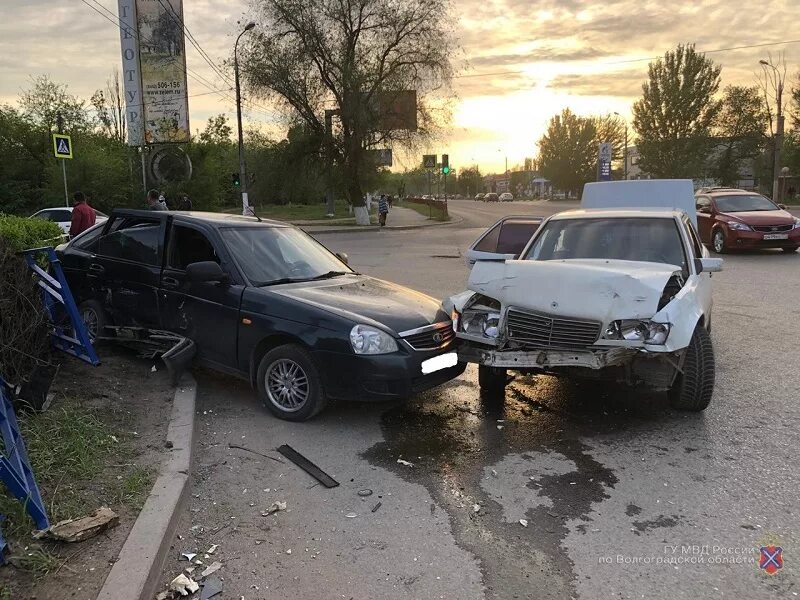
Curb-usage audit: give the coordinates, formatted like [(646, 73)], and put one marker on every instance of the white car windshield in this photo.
[(639, 239), (272, 255)]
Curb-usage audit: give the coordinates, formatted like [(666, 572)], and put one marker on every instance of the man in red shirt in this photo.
[(83, 215)]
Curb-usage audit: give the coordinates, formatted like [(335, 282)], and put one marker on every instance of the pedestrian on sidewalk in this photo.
[(83, 215), (185, 202), (153, 202), (383, 210)]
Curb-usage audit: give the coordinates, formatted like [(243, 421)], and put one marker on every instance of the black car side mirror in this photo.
[(782, 206), (343, 257), (204, 271), (704, 209)]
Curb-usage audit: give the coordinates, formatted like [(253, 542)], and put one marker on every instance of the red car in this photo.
[(730, 219)]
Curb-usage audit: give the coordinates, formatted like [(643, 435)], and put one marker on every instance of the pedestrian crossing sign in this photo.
[(62, 146)]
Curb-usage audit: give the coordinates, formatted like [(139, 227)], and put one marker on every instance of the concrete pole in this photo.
[(64, 172), (776, 164)]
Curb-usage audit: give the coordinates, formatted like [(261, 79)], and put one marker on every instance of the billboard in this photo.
[(131, 77), (162, 66)]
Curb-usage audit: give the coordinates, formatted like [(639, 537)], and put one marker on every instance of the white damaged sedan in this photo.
[(620, 294)]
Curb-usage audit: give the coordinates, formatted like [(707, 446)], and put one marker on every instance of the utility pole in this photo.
[(778, 141), (246, 210), (329, 199), (625, 149)]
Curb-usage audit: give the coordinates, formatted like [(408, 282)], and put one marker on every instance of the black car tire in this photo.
[(790, 250), (492, 379), (293, 357), (714, 234), (94, 317), (693, 388)]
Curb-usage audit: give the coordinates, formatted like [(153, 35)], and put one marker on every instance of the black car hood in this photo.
[(364, 299)]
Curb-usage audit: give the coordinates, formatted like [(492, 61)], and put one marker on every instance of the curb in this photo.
[(362, 228), (136, 574)]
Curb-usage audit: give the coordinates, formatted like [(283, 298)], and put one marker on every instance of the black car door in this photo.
[(206, 312), (125, 270)]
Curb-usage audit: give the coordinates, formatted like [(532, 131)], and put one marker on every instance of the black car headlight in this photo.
[(638, 330), (480, 322), (366, 339)]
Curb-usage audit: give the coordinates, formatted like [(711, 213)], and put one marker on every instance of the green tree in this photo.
[(470, 181), (675, 116), (46, 101), (217, 131), (568, 151), (351, 56), (741, 129), (109, 104)]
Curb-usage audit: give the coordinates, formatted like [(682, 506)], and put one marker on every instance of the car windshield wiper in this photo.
[(329, 275)]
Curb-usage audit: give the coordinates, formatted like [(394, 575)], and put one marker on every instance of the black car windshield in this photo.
[(270, 255), (742, 203), (641, 239)]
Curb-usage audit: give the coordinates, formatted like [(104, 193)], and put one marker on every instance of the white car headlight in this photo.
[(739, 226), (636, 330), (480, 322), (370, 340)]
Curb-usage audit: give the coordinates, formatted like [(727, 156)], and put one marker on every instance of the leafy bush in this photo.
[(24, 342), (18, 234)]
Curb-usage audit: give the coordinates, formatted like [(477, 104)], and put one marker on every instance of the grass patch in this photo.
[(135, 486), (298, 212), (37, 561), (65, 444), (435, 212)]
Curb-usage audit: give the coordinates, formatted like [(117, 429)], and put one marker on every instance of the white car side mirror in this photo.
[(708, 265)]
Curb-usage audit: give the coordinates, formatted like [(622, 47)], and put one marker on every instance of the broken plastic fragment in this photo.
[(364, 493), (184, 585), (274, 507), (476, 508), (212, 568), (351, 515), (189, 556), (289, 551), (400, 461), (212, 549), (523, 522)]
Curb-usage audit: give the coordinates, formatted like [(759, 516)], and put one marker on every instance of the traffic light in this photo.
[(235, 179), (445, 164)]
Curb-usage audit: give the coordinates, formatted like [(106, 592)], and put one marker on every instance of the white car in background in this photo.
[(506, 197), (617, 293), (63, 217)]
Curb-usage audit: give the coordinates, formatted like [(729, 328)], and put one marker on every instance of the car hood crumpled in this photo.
[(595, 289)]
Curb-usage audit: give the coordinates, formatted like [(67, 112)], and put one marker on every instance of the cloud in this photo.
[(626, 84), (548, 53)]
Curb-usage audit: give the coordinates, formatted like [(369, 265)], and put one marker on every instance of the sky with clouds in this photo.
[(521, 61)]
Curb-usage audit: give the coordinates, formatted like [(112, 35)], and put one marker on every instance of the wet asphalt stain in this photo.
[(454, 435), (632, 510), (658, 522)]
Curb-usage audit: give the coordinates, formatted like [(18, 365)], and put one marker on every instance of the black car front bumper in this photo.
[(380, 377)]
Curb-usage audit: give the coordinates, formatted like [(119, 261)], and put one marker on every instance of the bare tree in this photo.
[(351, 56), (110, 107)]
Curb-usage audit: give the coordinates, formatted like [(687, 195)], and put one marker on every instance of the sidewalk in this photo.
[(398, 218)]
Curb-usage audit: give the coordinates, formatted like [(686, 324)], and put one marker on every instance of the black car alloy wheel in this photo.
[(287, 385)]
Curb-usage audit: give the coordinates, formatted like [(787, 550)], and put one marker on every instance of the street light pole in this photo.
[(625, 149), (778, 141), (246, 210)]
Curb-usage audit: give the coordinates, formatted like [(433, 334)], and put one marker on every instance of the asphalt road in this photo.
[(623, 497)]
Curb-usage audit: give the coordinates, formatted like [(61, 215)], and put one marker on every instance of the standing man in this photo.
[(153, 202), (383, 210), (186, 202), (83, 215)]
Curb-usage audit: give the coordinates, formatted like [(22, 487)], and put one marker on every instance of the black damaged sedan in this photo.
[(265, 301)]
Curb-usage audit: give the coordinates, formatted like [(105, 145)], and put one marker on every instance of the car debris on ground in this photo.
[(211, 569), (274, 507), (78, 530), (405, 463), (307, 466)]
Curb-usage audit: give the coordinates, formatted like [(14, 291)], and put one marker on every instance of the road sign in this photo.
[(383, 157), (429, 161), (604, 162), (62, 145)]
